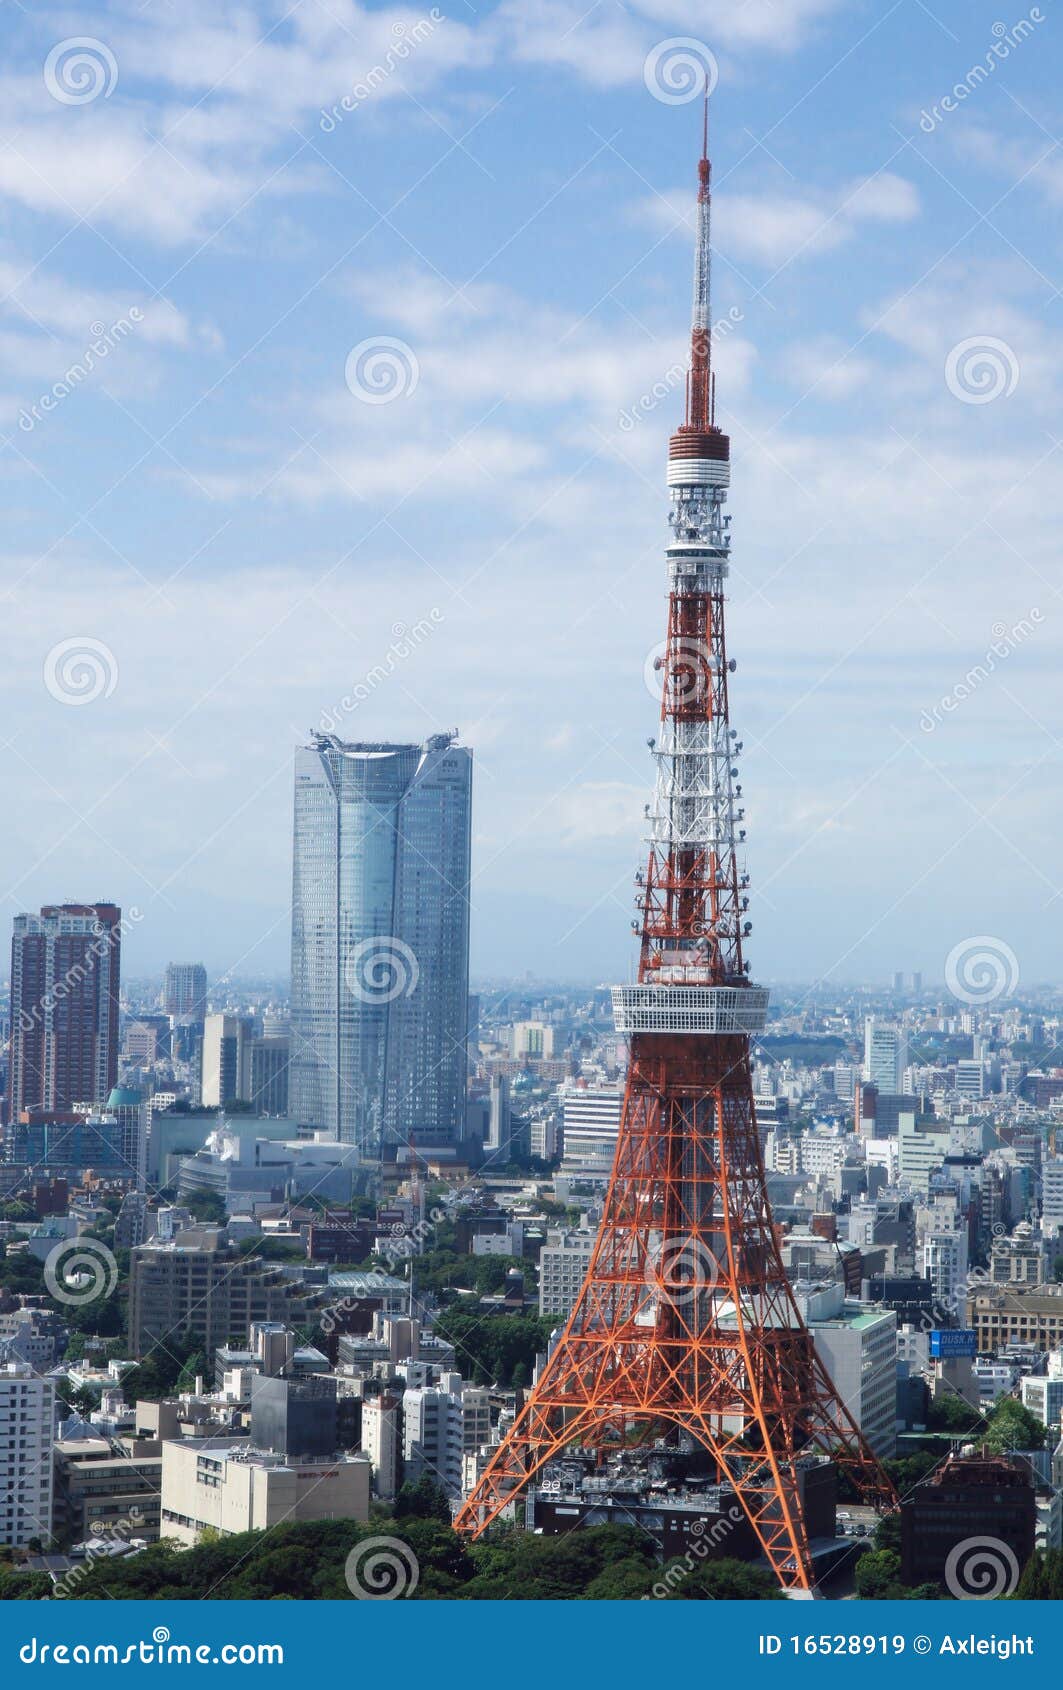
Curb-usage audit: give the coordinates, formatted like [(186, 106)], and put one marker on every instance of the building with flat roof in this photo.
[(1020, 1316), (563, 1263), (971, 1497), (225, 1486), (215, 1293), (102, 1487), (858, 1346), (27, 1414)]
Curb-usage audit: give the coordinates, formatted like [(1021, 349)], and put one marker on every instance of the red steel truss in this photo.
[(686, 1321)]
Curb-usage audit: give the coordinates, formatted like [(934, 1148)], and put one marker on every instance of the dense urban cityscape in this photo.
[(217, 1321)]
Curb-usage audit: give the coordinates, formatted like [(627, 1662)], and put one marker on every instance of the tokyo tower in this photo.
[(686, 1326)]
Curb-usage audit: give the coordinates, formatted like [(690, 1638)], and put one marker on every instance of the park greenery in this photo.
[(306, 1562)]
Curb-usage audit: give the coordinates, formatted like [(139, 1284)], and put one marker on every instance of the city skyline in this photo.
[(356, 565)]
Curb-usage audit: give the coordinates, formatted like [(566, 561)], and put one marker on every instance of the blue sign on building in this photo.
[(952, 1342)]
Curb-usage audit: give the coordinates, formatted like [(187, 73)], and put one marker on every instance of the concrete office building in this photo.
[(858, 1347), (184, 992), (213, 1292), (222, 1485), (563, 1262), (226, 1060), (433, 1436)]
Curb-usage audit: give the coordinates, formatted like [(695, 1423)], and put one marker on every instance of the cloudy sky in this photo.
[(338, 353)]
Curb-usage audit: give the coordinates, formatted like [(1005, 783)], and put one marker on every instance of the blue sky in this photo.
[(233, 530)]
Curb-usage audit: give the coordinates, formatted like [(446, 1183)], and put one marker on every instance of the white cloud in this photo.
[(774, 228)]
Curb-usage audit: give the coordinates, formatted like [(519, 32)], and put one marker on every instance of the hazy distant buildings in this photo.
[(65, 966), (380, 941), (185, 990)]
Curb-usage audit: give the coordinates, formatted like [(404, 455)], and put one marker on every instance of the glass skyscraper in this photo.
[(380, 941)]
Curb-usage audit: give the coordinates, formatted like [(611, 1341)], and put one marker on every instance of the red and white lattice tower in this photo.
[(686, 1321)]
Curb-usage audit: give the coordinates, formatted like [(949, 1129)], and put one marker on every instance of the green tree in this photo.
[(1012, 1426), (878, 1574), (1042, 1577), (425, 1500), (952, 1414)]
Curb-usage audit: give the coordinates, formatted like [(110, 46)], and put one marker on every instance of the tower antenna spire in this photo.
[(700, 407)]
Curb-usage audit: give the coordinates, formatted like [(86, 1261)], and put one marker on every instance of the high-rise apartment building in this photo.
[(185, 990), (65, 966), (380, 941), (27, 1414)]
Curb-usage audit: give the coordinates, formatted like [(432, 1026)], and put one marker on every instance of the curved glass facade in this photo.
[(380, 941)]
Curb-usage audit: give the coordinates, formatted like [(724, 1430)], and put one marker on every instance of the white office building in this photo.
[(1043, 1395), (970, 1078), (858, 1347), (27, 1427), (222, 1485), (433, 1435), (591, 1120), (1052, 1195), (945, 1265)]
